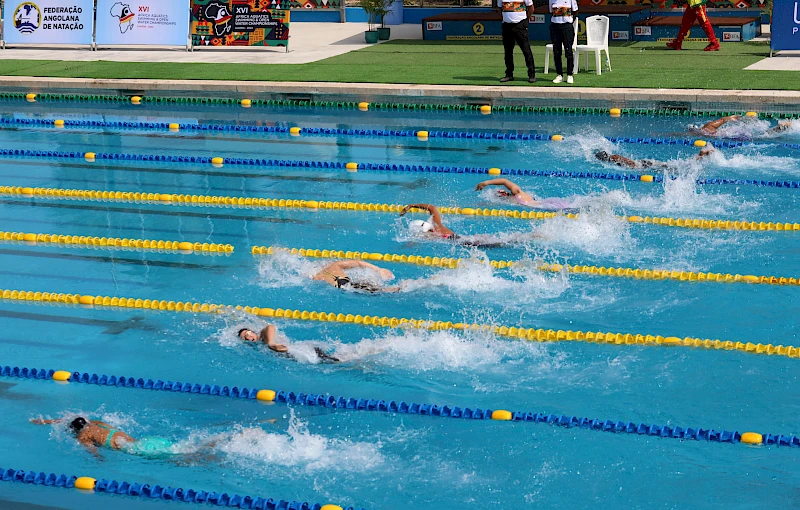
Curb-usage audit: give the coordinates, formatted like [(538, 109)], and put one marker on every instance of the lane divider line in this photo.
[(452, 263), (519, 333), (258, 203), (432, 410), (116, 242), (377, 167), (146, 491)]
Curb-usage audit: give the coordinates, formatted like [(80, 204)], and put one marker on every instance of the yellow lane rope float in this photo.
[(115, 242), (452, 263), (530, 334), (256, 203)]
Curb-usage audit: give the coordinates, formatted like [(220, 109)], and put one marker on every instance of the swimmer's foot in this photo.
[(714, 46), (675, 45)]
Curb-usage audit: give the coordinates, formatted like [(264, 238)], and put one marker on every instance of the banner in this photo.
[(153, 22), (238, 23), (785, 25), (48, 22)]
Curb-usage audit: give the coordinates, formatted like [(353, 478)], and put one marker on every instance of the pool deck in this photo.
[(412, 93)]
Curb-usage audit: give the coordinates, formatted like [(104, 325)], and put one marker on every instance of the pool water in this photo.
[(384, 460)]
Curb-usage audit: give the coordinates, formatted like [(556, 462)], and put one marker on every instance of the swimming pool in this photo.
[(400, 460)]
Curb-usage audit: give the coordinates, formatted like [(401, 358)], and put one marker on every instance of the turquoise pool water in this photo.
[(384, 460)]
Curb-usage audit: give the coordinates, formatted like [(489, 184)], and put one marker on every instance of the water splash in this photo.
[(298, 449)]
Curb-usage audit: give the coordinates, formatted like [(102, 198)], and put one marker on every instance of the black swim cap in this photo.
[(602, 155), (77, 424), (239, 334)]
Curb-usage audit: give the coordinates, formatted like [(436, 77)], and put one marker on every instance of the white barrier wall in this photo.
[(142, 22), (48, 22)]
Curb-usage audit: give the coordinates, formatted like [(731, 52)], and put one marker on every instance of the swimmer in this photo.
[(267, 337), (334, 274), (711, 128), (435, 229), (705, 152), (628, 162), (94, 434), (783, 125), (516, 194)]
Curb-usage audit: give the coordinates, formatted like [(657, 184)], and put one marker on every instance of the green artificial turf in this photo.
[(647, 65)]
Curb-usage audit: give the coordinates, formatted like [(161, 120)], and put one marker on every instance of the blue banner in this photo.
[(785, 25)]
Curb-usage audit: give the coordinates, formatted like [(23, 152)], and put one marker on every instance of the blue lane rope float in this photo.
[(390, 133), (433, 410), (379, 167), (147, 491)]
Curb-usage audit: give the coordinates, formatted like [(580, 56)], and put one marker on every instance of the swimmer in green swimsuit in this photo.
[(94, 434)]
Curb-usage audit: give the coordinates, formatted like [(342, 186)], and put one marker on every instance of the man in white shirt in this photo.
[(562, 33), (515, 32)]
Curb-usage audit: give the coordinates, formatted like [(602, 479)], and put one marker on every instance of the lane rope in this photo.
[(377, 167), (520, 333), (147, 491), (432, 410), (116, 242), (364, 106), (257, 203), (383, 133), (452, 263)]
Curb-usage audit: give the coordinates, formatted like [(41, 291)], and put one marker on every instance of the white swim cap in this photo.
[(420, 226)]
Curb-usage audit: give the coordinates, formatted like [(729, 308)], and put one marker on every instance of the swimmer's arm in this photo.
[(40, 421), (267, 336), (716, 124), (352, 264), (436, 217), (510, 186)]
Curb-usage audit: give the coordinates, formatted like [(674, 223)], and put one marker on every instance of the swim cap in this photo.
[(77, 424), (420, 226), (602, 155)]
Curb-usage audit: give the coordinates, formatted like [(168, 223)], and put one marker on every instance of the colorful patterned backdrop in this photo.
[(668, 4), (238, 23)]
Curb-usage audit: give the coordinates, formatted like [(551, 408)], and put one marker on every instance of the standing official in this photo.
[(515, 31), (695, 10), (562, 34)]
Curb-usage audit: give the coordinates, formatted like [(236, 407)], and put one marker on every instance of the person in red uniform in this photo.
[(695, 10)]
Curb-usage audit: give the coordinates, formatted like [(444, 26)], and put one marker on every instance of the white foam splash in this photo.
[(597, 231), (423, 351), (298, 449)]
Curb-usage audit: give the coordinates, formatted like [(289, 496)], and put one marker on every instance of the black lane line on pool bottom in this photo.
[(211, 173), (111, 327), (84, 278), (34, 203), (113, 260)]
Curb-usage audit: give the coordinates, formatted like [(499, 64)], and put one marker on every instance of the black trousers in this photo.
[(517, 34), (562, 35)]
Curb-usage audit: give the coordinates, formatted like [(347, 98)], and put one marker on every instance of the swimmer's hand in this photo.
[(279, 348), (385, 274), (480, 186), (404, 210)]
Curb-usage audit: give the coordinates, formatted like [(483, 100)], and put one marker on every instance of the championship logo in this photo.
[(27, 18), (219, 16), (125, 16)]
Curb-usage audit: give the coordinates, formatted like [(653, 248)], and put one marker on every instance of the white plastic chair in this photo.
[(549, 48), (596, 41)]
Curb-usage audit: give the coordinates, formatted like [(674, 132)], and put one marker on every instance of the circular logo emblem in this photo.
[(478, 29), (27, 18)]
